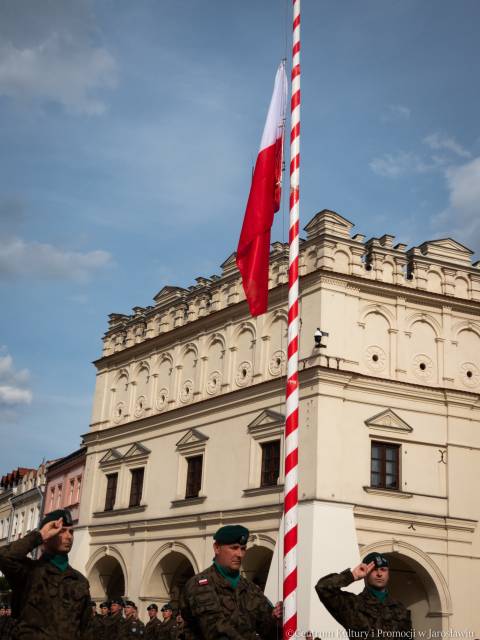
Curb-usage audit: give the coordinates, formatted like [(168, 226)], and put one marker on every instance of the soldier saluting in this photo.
[(134, 627), (50, 599), (220, 604), (373, 609)]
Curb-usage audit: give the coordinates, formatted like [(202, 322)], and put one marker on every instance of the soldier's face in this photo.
[(378, 577), (230, 556), (129, 611), (61, 543), (152, 613), (167, 614), (114, 607), (104, 611)]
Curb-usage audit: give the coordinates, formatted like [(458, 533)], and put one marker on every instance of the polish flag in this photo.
[(253, 250)]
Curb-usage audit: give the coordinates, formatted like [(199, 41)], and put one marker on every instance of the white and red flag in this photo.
[(253, 250)]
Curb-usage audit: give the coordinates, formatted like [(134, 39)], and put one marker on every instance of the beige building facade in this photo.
[(187, 427)]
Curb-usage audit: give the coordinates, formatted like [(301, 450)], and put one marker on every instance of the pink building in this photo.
[(64, 483)]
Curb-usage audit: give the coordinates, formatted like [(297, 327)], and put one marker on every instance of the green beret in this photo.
[(56, 515), (152, 607), (378, 558), (232, 534), (167, 607), (118, 601), (105, 605)]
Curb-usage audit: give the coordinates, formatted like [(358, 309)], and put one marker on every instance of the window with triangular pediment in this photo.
[(266, 472)]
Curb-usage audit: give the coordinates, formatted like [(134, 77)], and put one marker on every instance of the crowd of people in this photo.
[(118, 619), (50, 600)]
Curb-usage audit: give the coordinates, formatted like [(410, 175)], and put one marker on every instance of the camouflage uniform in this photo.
[(363, 612), (169, 630), (114, 627), (135, 628), (96, 629), (212, 609), (7, 627), (47, 603), (152, 629)]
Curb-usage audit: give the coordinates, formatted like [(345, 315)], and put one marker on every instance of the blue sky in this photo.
[(128, 131)]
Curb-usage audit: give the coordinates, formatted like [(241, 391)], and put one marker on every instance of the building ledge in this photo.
[(391, 493), (262, 491), (119, 512), (186, 502)]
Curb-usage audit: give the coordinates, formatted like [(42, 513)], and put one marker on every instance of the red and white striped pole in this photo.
[(291, 429)]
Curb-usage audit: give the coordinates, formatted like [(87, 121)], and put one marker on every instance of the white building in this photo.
[(187, 427)]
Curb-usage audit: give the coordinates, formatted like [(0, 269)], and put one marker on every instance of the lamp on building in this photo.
[(318, 335)]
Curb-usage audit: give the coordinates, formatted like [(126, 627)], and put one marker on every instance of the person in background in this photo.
[(114, 624), (152, 628)]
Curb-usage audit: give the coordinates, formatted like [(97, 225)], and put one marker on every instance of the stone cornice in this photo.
[(421, 519), (207, 522)]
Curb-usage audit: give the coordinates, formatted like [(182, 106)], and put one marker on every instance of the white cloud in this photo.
[(34, 259), (12, 382), (393, 165), (58, 69), (13, 395), (396, 112), (439, 141), (461, 218)]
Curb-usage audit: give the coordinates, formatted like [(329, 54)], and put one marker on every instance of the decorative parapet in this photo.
[(441, 266)]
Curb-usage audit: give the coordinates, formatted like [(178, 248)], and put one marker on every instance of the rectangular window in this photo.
[(59, 496), (270, 463), (79, 486), (385, 472), (136, 487), (194, 476), (52, 498), (30, 521), (72, 488), (111, 491)]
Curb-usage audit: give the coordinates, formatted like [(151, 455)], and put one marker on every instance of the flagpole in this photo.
[(292, 391)]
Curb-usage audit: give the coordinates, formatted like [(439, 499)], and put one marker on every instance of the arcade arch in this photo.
[(107, 578), (171, 571), (256, 564)]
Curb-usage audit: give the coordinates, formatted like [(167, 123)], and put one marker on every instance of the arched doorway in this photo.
[(106, 579), (407, 586), (256, 565), (169, 578)]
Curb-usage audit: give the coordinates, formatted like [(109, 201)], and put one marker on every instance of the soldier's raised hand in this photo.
[(277, 611), (50, 529), (362, 570)]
